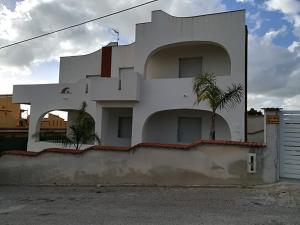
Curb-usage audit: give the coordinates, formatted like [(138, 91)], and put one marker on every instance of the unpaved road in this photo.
[(273, 204)]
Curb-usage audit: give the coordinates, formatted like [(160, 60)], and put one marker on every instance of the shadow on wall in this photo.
[(185, 59), (183, 126)]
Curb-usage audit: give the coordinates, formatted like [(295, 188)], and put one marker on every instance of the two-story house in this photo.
[(142, 92)]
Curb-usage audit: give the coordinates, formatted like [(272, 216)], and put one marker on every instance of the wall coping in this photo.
[(272, 109), (255, 132), (127, 149)]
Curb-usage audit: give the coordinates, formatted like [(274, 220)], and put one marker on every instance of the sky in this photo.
[(274, 39)]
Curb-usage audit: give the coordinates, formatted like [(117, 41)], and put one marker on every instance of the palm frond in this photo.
[(203, 83), (205, 88), (81, 131), (231, 97)]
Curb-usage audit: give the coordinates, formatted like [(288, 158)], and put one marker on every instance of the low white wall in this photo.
[(200, 165)]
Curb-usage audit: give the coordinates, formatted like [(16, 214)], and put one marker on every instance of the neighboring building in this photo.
[(14, 128), (142, 92), (53, 122), (255, 126), (10, 113)]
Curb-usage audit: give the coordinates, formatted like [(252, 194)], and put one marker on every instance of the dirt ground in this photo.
[(262, 205)]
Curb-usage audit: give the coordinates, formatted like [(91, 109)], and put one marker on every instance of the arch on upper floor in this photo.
[(187, 59), (183, 126)]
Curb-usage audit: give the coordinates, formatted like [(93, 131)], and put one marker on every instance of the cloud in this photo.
[(252, 2), (255, 21), (274, 72), (286, 6), (291, 10), (35, 17), (292, 103), (295, 47), (273, 33)]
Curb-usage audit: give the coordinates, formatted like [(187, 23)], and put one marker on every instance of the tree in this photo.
[(205, 88), (81, 131)]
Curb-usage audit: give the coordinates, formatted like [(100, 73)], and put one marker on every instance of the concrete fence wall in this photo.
[(204, 163)]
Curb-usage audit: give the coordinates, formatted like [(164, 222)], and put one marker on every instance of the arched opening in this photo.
[(182, 126), (52, 124), (188, 59), (60, 126)]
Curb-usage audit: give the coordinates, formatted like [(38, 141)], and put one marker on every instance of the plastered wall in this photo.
[(162, 127), (165, 62), (199, 165)]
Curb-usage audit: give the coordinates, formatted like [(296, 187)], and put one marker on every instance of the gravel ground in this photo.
[(263, 205)]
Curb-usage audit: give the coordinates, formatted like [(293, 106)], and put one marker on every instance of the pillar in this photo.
[(271, 140)]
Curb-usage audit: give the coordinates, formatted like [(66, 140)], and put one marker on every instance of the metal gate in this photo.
[(290, 144)]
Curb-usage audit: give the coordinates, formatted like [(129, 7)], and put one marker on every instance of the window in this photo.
[(124, 127), (190, 67), (189, 129)]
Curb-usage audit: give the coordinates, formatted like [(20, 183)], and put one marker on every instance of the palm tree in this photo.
[(80, 132), (205, 88)]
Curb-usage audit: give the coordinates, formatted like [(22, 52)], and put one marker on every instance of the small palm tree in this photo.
[(80, 132), (205, 88)]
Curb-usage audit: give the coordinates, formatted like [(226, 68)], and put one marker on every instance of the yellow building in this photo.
[(14, 128), (10, 116), (53, 122), (10, 113)]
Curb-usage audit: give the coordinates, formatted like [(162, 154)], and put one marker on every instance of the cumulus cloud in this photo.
[(291, 10), (274, 72), (35, 17), (295, 47)]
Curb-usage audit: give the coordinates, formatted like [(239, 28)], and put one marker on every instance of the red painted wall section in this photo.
[(106, 61)]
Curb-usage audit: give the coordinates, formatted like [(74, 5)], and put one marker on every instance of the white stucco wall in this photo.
[(74, 68), (162, 127), (148, 96), (122, 57), (110, 126), (165, 62), (224, 29)]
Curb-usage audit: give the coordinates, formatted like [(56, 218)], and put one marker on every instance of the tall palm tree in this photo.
[(205, 88), (80, 132)]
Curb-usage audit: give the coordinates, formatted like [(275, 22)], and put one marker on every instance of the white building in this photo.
[(142, 92)]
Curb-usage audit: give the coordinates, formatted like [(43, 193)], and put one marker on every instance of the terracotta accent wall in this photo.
[(106, 61)]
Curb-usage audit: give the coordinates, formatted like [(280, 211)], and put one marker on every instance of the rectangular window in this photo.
[(190, 67), (124, 127), (189, 129)]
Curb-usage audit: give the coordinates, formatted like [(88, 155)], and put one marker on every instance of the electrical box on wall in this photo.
[(251, 162)]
